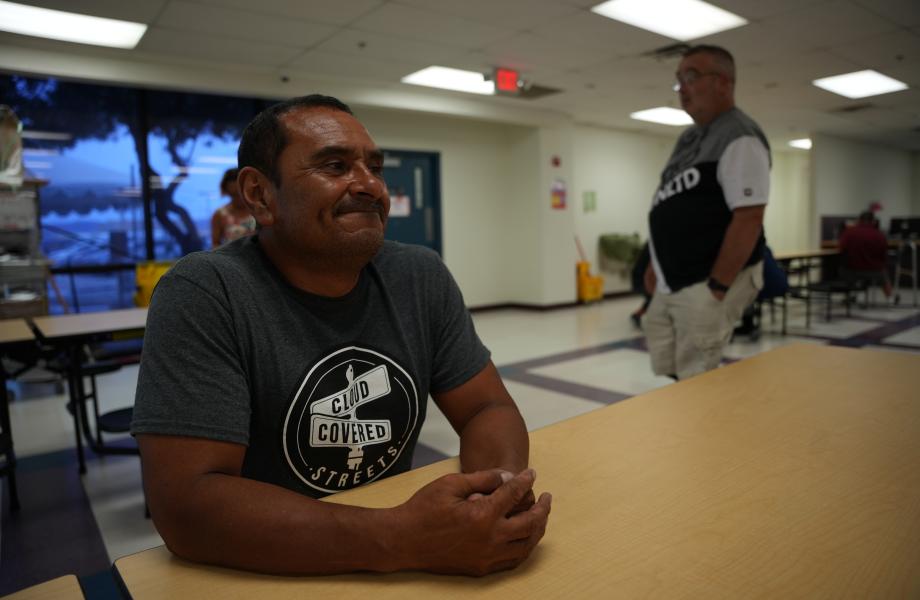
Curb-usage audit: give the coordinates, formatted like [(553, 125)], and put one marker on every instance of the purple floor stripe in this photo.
[(567, 387), (425, 455), (535, 363)]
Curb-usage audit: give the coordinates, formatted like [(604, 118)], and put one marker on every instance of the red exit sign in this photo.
[(507, 81)]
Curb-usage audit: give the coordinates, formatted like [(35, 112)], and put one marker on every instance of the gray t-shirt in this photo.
[(326, 393)]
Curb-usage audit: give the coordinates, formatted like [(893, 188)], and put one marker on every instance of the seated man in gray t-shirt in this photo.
[(297, 363)]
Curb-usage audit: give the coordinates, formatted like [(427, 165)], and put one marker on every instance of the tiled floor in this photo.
[(556, 364)]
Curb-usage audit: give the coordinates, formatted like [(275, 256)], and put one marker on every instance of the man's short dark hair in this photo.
[(264, 138), (723, 57), (229, 176)]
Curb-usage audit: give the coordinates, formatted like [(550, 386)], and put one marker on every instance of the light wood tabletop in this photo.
[(82, 324), (62, 588), (802, 254), (15, 330), (792, 474)]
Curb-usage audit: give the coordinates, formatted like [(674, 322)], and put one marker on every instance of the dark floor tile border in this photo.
[(55, 532)]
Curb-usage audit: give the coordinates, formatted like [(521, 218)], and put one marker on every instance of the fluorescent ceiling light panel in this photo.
[(679, 19), (68, 26), (804, 144), (664, 115), (451, 79), (860, 84)]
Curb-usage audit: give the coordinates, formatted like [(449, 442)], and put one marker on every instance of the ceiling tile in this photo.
[(522, 14), (644, 73), (907, 100), (139, 12), (351, 67), (320, 11), (414, 23), (894, 48), (759, 9), (158, 40), (530, 51), (900, 12), (801, 68), (831, 23), (886, 118), (588, 30), (240, 24), (378, 46), (757, 42), (908, 72)]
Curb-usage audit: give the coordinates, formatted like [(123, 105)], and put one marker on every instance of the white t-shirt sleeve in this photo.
[(744, 172)]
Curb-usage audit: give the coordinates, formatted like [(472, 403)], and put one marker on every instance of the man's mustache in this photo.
[(351, 204)]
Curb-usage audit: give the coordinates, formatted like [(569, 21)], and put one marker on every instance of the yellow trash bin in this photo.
[(147, 274)]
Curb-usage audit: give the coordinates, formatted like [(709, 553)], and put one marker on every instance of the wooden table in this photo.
[(805, 254), (12, 333), (71, 333), (62, 588), (89, 327), (792, 474)]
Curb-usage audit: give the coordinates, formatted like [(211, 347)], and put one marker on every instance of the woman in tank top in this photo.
[(232, 220)]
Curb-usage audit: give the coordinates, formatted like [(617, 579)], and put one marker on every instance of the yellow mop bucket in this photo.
[(589, 287)]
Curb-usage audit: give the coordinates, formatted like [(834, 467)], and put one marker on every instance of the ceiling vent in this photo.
[(533, 91), (852, 108), (668, 52)]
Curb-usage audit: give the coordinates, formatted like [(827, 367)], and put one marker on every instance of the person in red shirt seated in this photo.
[(865, 253)]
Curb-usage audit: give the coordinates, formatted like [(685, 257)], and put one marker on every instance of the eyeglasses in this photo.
[(689, 78)]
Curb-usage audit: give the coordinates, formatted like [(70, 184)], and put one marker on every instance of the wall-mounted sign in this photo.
[(589, 201), (557, 194)]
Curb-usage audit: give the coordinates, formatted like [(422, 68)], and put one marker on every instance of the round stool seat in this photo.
[(91, 369), (116, 421)]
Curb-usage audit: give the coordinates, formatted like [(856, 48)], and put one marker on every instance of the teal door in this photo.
[(414, 181)]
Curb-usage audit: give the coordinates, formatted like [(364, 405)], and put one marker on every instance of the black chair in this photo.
[(112, 422), (840, 287), (8, 462), (116, 421)]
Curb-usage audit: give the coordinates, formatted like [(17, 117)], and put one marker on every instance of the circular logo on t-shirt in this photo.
[(350, 420)]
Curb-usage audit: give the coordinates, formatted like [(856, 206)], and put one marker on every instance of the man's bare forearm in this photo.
[(236, 522), (227, 520), (495, 438), (740, 238)]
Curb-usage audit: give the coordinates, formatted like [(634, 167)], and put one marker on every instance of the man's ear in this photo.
[(259, 194)]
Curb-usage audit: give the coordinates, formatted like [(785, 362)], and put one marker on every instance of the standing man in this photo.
[(706, 222), (297, 362)]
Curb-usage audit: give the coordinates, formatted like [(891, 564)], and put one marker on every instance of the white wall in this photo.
[(484, 195), (915, 187), (622, 168), (789, 214), (557, 242), (849, 176)]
